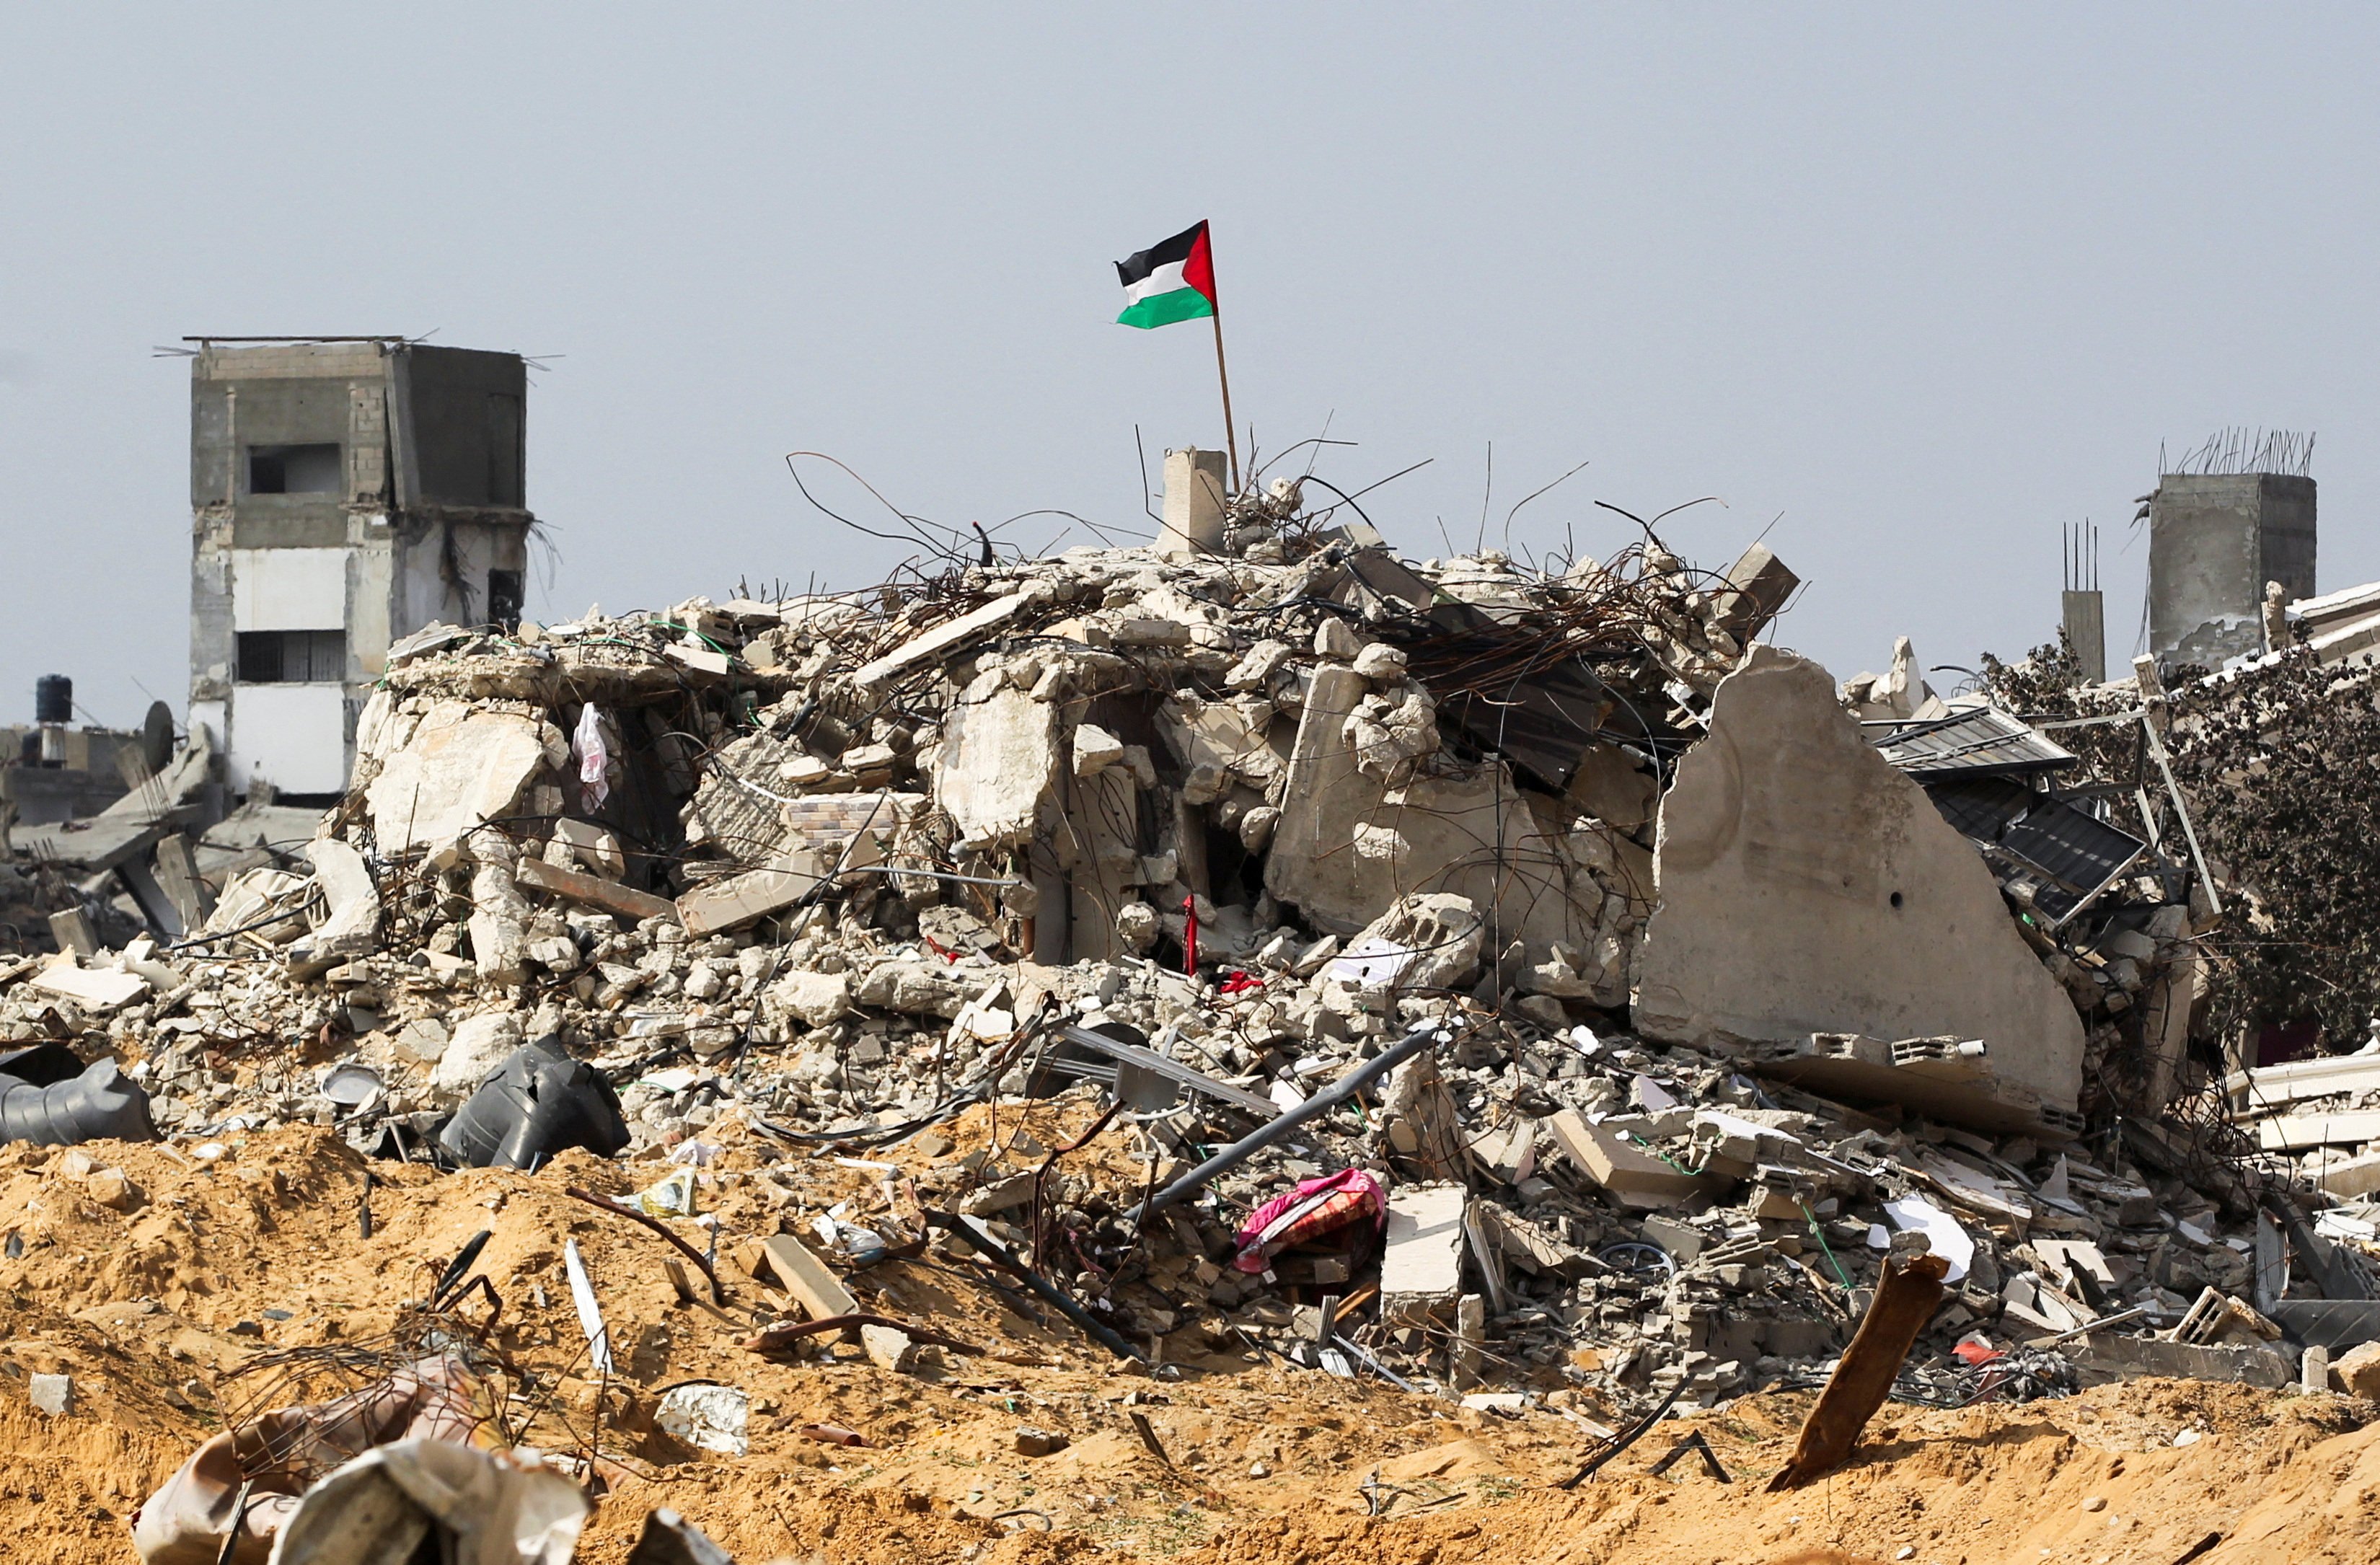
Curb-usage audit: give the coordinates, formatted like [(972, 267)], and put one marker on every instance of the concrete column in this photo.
[(1194, 505), (2086, 627)]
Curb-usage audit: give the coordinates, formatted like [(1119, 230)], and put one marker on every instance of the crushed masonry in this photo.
[(1680, 1005)]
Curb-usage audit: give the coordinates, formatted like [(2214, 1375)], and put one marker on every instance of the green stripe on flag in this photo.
[(1164, 309)]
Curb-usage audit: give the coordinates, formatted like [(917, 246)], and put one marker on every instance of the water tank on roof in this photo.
[(54, 699)]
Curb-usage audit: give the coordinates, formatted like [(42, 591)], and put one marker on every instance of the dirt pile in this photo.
[(230, 1268)]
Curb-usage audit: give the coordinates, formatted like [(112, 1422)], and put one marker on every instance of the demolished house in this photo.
[(1503, 976)]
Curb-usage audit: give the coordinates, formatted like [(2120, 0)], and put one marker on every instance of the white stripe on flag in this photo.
[(1166, 279)]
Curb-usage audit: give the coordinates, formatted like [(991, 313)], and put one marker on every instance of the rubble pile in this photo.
[(1498, 982)]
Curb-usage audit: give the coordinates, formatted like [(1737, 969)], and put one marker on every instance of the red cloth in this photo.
[(1314, 1208)]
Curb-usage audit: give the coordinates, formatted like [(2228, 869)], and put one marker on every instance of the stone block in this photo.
[(480, 1044), (53, 1394), (2357, 1371)]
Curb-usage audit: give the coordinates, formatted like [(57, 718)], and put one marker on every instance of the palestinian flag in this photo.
[(1170, 281)]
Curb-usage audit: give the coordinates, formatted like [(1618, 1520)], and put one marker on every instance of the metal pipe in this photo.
[(1321, 1103)]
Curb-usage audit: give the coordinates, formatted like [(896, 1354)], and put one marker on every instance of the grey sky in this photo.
[(1927, 282)]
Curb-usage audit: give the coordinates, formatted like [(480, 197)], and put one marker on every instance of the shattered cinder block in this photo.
[(1421, 1273)]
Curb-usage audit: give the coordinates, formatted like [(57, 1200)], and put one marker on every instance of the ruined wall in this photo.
[(391, 483), (2214, 541), (1806, 885)]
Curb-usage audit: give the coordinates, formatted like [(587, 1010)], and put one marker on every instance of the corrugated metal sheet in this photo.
[(1977, 741)]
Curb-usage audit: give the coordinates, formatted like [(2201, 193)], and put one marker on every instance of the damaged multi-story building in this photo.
[(344, 492)]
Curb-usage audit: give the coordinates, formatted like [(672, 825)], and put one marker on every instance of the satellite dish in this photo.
[(157, 737)]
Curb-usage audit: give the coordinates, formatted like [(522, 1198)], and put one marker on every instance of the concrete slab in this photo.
[(462, 766), (1421, 1273), (1808, 886)]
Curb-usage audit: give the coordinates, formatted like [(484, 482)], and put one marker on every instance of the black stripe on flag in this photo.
[(1165, 252)]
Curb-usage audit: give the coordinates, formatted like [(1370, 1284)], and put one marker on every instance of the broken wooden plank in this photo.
[(1904, 1302), (591, 890)]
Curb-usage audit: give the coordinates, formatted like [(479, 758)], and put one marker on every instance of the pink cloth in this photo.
[(1314, 1208)]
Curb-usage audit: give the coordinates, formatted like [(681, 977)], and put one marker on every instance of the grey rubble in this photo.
[(845, 863)]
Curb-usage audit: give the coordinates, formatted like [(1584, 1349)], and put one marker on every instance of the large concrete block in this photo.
[(1806, 885), (1421, 1271), (1194, 505), (998, 756), (1345, 847), (461, 767)]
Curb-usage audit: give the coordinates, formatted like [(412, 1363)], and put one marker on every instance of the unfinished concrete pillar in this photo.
[(1194, 505), (2085, 616)]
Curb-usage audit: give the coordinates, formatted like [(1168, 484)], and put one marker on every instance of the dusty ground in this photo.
[(261, 1250)]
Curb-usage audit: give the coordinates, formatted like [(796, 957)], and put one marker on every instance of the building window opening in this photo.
[(293, 469), (504, 599), (292, 657)]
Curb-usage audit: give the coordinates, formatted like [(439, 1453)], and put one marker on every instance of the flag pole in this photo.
[(1231, 440)]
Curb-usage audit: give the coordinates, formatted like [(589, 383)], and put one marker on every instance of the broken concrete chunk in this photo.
[(998, 756), (1629, 1172), (53, 1394), (1255, 671), (594, 846), (1195, 498), (913, 988), (737, 900), (480, 1044), (2357, 1372), (1426, 942), (805, 1279), (947, 636), (816, 998), (1096, 749), (592, 891), (96, 989), (889, 1349), (463, 766), (1421, 1271), (1758, 585), (353, 926)]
